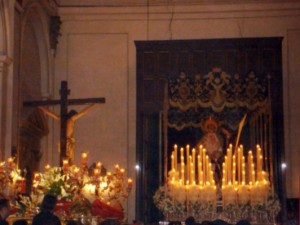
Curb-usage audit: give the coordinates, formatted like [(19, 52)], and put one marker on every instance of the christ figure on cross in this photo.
[(72, 116)]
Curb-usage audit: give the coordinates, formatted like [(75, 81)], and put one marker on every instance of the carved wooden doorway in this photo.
[(161, 61)]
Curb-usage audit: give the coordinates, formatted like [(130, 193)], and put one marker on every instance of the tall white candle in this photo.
[(182, 164), (229, 163), (175, 157), (188, 162)]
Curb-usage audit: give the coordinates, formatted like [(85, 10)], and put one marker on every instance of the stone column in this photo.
[(5, 105)]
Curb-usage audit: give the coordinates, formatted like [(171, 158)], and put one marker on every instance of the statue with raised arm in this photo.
[(72, 116)]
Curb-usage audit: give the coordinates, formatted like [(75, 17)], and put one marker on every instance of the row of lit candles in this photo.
[(10, 163), (186, 173), (97, 169), (234, 167), (20, 181)]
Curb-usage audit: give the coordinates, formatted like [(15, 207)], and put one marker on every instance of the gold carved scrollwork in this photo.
[(217, 90)]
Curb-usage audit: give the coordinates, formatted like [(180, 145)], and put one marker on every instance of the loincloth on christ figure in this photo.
[(70, 149), (70, 152)]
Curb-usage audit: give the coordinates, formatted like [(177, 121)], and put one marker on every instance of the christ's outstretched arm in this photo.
[(49, 113), (83, 112)]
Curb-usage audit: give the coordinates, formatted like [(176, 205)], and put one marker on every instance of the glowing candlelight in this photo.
[(84, 158), (182, 164), (10, 162), (175, 157), (65, 164), (172, 162), (258, 162), (233, 169), (224, 174), (229, 158), (207, 168), (98, 165), (188, 162), (47, 167), (76, 171), (204, 167), (191, 169), (117, 167), (37, 177), (96, 172), (243, 170), (129, 183), (239, 167), (199, 168)]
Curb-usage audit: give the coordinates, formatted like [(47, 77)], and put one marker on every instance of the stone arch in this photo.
[(36, 16), (34, 78)]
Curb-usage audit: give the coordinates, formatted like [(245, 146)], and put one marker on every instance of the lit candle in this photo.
[(253, 175), (207, 169), (249, 166), (229, 158), (117, 168), (233, 169), (182, 165), (211, 177), (242, 160), (96, 172), (98, 165), (10, 162), (37, 177), (129, 183), (260, 168), (239, 167), (191, 169), (172, 162), (243, 170), (199, 168), (188, 162), (258, 161), (76, 171), (201, 178), (175, 157), (224, 174), (194, 164), (182, 172), (243, 177), (84, 158), (65, 164), (47, 167), (204, 168), (226, 169)]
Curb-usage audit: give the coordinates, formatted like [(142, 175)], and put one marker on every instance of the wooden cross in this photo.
[(64, 103)]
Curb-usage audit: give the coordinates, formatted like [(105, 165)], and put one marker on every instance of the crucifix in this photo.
[(64, 118)]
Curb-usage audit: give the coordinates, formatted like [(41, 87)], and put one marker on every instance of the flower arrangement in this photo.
[(112, 187), (11, 180), (270, 204), (78, 187), (166, 203), (54, 182)]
